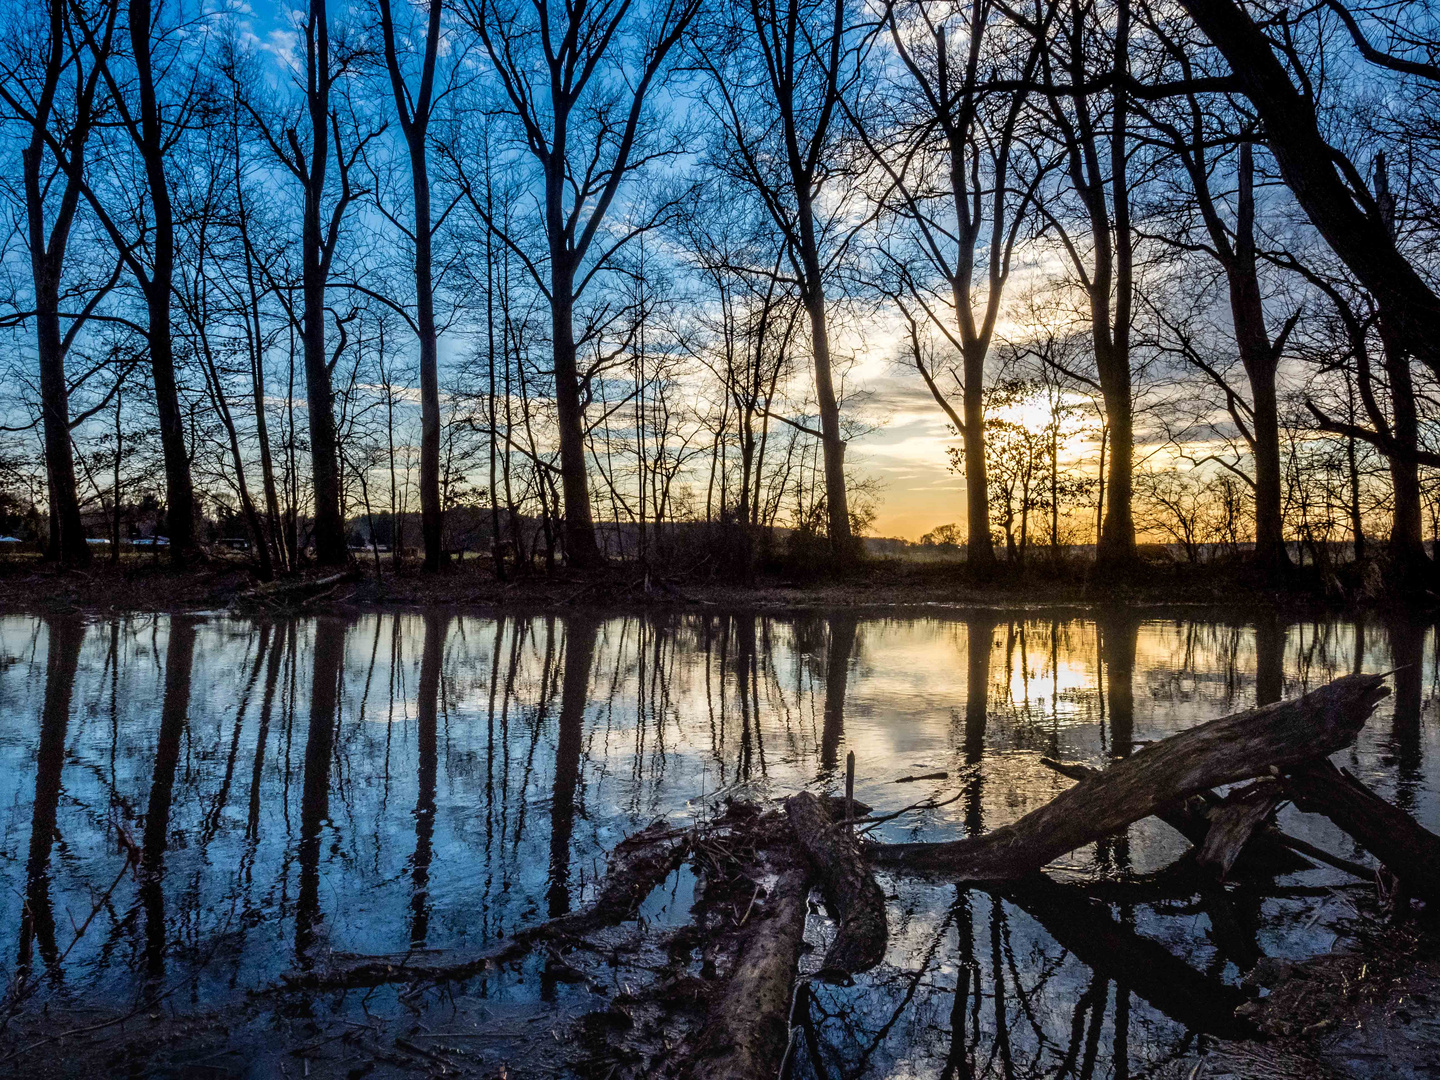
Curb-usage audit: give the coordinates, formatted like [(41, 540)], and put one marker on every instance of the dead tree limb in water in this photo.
[(1234, 821), (1224, 751), (745, 1028), (1410, 851), (1281, 852), (637, 865), (850, 889)]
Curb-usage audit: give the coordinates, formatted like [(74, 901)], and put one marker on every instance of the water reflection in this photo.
[(218, 801)]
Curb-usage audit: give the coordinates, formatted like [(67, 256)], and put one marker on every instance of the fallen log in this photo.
[(1234, 821), (1223, 751), (746, 1028), (282, 593), (1410, 851), (850, 890), (1187, 817), (1281, 851), (637, 865)]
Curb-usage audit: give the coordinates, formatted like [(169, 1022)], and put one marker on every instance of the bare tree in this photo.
[(781, 70), (583, 125), (952, 159), (34, 84)]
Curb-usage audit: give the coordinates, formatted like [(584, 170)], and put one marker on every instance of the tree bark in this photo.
[(1234, 821), (415, 124), (581, 549), (158, 289), (850, 890), (745, 1032), (47, 260), (1222, 751), (330, 547)]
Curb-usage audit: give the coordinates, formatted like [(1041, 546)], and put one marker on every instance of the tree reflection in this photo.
[(837, 673), (1407, 657), (580, 634), (327, 666), (1119, 632), (1269, 659), (37, 921), (427, 710), (174, 709)]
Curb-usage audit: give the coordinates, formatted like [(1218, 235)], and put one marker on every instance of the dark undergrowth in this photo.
[(725, 571)]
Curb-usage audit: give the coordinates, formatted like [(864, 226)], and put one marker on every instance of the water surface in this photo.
[(200, 805)]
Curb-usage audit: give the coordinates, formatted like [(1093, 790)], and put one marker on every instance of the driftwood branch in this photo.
[(1234, 821), (1225, 751), (637, 865), (1192, 820), (850, 889), (1410, 851), (282, 594), (745, 1028)]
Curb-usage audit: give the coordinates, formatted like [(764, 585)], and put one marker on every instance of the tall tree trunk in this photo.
[(1117, 538), (67, 535), (415, 122), (179, 490), (581, 550), (255, 332), (47, 260), (329, 530), (979, 549), (1260, 359), (832, 445), (1407, 524)]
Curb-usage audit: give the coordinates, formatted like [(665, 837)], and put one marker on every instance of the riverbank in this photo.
[(146, 586)]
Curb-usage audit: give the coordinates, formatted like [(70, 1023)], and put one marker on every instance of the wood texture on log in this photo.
[(1187, 817), (1234, 821), (1410, 851), (1086, 928), (1271, 849), (637, 865), (1223, 751), (850, 890), (747, 1025)]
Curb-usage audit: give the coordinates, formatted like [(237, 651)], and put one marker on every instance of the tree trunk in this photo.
[(1407, 524), (581, 549), (329, 531), (67, 535), (850, 890), (833, 446), (979, 550), (179, 490), (432, 519), (1260, 358), (1411, 853)]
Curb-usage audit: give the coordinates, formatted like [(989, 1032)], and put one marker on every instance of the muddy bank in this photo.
[(145, 585)]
